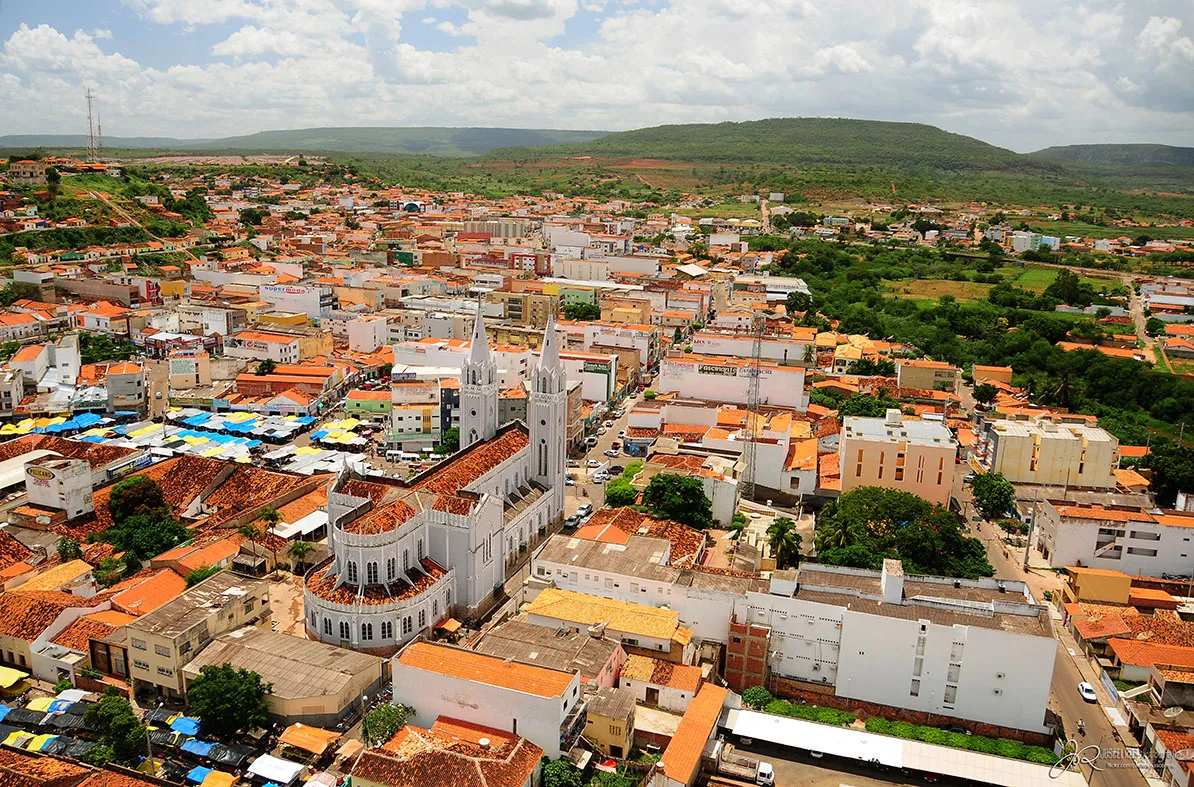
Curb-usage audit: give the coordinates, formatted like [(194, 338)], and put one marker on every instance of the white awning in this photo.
[(276, 770), (305, 526)]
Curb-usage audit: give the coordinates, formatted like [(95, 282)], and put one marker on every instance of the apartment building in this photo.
[(1130, 539), (928, 375), (126, 387), (724, 379), (914, 456), (260, 346), (162, 642), (1047, 451)]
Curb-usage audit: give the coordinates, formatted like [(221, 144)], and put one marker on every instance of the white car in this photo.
[(608, 424), (601, 431), (592, 463), (619, 413), (569, 481), (622, 433), (1087, 691), (610, 452)]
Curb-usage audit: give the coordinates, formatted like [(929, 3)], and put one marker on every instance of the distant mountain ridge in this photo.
[(1113, 154), (431, 141)]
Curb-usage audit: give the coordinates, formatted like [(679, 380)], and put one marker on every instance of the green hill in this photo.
[(453, 142), (807, 142), (80, 141), (1119, 155)]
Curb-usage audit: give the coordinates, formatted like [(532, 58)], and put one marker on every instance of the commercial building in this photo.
[(260, 346), (126, 387), (314, 301), (1130, 539), (595, 655), (723, 379), (897, 453), (543, 705), (60, 484), (313, 683), (162, 642), (1048, 452)]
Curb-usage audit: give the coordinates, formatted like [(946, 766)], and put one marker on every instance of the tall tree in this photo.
[(993, 494), (784, 541), (136, 494), (679, 498), (381, 723), (118, 727), (228, 700), (298, 551)]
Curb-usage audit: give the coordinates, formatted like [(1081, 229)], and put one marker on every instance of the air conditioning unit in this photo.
[(998, 691), (816, 668), (1001, 675)]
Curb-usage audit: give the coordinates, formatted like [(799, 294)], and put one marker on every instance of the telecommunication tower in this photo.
[(751, 451), (92, 147)]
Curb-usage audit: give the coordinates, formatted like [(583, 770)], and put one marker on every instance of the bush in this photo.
[(757, 697), (838, 718), (998, 746)]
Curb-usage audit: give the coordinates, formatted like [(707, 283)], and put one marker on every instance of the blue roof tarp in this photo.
[(4, 709), (60, 706), (197, 747), (186, 725), (322, 433), (94, 439), (197, 775)]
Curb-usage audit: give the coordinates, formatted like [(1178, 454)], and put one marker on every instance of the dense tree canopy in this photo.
[(120, 731), (582, 311), (679, 498), (228, 700), (870, 523), (993, 494)]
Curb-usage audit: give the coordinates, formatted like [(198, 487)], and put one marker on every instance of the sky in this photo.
[(1022, 74)]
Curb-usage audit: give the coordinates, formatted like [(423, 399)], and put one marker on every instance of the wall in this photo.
[(928, 469)]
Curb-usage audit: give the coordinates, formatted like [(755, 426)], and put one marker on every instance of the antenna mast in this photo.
[(92, 150), (99, 136), (751, 451)]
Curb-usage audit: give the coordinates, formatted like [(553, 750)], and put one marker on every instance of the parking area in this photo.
[(792, 768)]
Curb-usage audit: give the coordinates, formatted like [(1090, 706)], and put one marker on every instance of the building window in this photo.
[(420, 549), (406, 625), (422, 618), (327, 626), (165, 671), (141, 664), (313, 622), (366, 631), (391, 569), (405, 560), (435, 608), (951, 695), (352, 572), (915, 691), (139, 644), (344, 632), (161, 650), (387, 629), (371, 573)]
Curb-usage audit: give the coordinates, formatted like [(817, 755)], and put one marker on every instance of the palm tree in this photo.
[(810, 354), (270, 516), (833, 535), (298, 551), (250, 531), (785, 541)]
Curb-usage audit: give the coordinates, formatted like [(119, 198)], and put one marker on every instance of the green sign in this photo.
[(725, 371)]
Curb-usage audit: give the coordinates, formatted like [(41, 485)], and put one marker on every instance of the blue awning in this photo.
[(4, 709), (60, 706), (186, 725), (197, 775)]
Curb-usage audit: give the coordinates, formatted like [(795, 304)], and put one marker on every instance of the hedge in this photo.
[(839, 718), (1000, 746)]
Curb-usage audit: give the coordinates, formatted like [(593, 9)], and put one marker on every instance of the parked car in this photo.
[(615, 445), (592, 463), (591, 441), (601, 431), (1087, 691), (584, 510), (619, 413), (966, 479), (621, 433), (610, 452), (157, 395), (569, 481)]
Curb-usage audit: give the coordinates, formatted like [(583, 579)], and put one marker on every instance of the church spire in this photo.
[(479, 351), (549, 358)]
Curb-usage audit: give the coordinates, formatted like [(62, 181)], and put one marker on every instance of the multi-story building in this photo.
[(928, 375), (1130, 539), (1047, 451), (725, 379), (528, 309), (162, 642), (27, 173), (543, 705), (609, 725), (894, 453), (261, 346), (126, 387), (315, 301)]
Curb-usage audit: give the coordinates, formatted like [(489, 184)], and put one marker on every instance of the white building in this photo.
[(60, 484), (404, 555), (1129, 539), (367, 334), (723, 379), (545, 706), (977, 650), (258, 345), (315, 301)]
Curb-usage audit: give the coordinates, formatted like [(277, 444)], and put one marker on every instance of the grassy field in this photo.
[(1037, 279), (1182, 365), (725, 210), (929, 290)]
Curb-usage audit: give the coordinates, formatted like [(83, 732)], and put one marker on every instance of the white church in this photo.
[(404, 555)]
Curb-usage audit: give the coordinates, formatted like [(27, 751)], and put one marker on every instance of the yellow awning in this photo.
[(39, 741), (10, 676), (218, 779), (40, 704), (17, 738), (313, 739)]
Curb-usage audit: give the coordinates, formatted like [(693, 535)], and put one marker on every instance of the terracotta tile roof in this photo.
[(247, 488), (413, 584), (1145, 654), (95, 454), (77, 634), (449, 755), (205, 553), (1174, 740), (686, 543), (1163, 628), (662, 673), (683, 754), (464, 468), (26, 615), (381, 519), (454, 504), (477, 667), (12, 551), (1101, 626), (20, 768)]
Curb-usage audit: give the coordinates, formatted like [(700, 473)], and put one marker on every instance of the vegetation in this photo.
[(993, 494), (869, 524), (620, 492), (266, 366), (449, 441), (200, 574), (298, 551), (63, 685), (784, 541), (121, 734), (560, 773), (582, 311), (228, 701), (757, 697), (383, 722), (68, 549), (679, 498), (998, 746), (839, 718), (144, 526), (985, 393), (18, 291), (1172, 471), (99, 347)]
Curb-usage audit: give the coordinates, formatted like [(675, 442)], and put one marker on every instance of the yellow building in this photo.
[(609, 722), (173, 288), (1096, 585), (280, 318), (914, 456), (928, 375), (626, 310), (1045, 451)]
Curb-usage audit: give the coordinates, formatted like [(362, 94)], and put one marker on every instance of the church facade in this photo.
[(405, 555)]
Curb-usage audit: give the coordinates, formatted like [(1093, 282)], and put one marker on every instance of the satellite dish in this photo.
[(1174, 712)]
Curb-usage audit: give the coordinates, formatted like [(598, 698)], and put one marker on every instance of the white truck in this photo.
[(743, 767)]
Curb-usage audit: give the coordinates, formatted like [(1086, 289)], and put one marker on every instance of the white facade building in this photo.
[(314, 301), (1130, 539), (721, 379)]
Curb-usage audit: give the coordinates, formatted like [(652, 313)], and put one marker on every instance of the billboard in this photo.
[(185, 366)]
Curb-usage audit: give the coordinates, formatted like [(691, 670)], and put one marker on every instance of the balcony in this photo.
[(572, 726)]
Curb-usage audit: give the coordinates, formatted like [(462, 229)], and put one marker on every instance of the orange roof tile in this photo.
[(477, 667), (683, 754)]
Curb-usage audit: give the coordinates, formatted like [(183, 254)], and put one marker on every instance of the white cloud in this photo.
[(1022, 73)]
